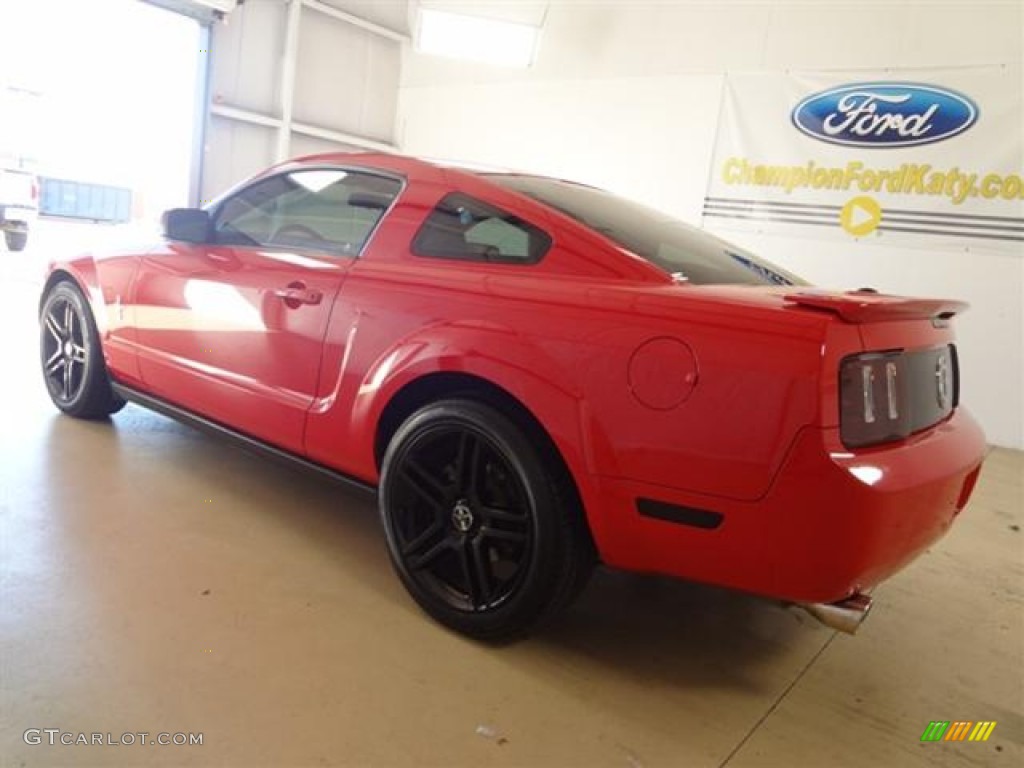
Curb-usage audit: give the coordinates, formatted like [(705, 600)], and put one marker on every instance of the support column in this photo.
[(288, 61)]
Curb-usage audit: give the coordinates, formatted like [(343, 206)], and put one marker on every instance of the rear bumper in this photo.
[(833, 523), (17, 215)]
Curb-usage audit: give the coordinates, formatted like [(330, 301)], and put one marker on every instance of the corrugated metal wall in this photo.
[(292, 77)]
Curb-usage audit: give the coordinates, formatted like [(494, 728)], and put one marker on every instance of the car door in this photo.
[(233, 328)]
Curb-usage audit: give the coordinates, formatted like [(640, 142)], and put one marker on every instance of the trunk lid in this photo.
[(856, 307)]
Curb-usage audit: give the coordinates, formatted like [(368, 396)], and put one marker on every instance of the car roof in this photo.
[(411, 167), (417, 168)]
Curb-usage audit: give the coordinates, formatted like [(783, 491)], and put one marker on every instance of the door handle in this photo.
[(297, 294)]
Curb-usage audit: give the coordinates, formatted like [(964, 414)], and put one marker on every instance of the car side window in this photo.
[(326, 209), (461, 227)]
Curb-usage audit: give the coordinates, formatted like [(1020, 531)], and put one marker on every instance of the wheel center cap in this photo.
[(68, 349), (462, 516)]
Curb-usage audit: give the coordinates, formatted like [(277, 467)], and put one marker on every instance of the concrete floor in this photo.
[(154, 579)]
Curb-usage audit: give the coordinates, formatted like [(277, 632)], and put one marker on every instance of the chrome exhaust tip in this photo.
[(845, 616)]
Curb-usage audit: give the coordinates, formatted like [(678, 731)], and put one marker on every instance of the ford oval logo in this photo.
[(885, 114)]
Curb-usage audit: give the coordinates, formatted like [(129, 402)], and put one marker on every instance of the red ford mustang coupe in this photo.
[(536, 376)]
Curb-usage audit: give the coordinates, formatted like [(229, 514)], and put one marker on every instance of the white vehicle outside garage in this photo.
[(19, 203), (19, 185)]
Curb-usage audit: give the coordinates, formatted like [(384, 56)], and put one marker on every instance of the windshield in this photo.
[(685, 252)]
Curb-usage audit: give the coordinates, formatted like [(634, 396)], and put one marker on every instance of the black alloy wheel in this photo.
[(71, 358), (475, 525)]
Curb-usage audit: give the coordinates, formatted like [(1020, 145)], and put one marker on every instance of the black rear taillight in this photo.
[(887, 396), (872, 399)]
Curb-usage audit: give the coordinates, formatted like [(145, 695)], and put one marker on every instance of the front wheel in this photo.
[(476, 526), (71, 357)]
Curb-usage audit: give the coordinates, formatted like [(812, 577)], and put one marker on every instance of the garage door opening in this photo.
[(102, 101)]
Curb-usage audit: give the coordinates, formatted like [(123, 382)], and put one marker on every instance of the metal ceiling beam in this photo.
[(303, 129), (340, 137), (244, 116), (205, 13), (356, 21)]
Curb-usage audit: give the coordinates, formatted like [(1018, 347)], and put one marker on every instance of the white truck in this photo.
[(19, 203), (20, 131)]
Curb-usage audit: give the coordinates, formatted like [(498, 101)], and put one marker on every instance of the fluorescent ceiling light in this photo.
[(471, 37)]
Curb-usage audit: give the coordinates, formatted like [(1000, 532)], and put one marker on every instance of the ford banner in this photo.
[(934, 159), (884, 114)]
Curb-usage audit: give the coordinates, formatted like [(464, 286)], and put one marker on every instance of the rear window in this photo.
[(681, 250), (462, 227)]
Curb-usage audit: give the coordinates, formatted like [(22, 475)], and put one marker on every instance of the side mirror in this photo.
[(190, 225)]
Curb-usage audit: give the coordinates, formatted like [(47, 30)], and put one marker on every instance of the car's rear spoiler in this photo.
[(869, 307)]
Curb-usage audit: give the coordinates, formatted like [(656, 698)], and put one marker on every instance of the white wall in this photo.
[(626, 96)]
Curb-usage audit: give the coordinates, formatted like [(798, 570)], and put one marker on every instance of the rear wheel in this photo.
[(71, 357), (476, 526), (16, 239)]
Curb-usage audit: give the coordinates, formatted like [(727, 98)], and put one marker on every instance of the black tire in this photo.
[(476, 527), (71, 357), (16, 240)]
